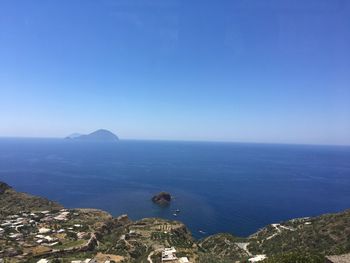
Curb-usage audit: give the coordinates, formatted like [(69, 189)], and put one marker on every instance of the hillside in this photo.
[(325, 234), (28, 233), (224, 246), (12, 202)]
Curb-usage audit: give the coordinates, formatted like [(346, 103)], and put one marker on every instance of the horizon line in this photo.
[(190, 140)]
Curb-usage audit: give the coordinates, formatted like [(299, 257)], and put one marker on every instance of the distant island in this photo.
[(96, 136)]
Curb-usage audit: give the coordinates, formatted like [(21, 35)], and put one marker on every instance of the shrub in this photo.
[(295, 257)]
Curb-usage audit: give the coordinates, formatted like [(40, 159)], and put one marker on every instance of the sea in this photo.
[(218, 187)]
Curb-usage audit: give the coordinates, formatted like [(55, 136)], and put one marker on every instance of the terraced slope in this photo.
[(325, 234), (224, 246)]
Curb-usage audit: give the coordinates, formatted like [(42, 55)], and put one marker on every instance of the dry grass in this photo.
[(100, 257)]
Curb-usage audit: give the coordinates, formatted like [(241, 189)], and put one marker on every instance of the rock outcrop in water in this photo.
[(163, 198), (96, 136)]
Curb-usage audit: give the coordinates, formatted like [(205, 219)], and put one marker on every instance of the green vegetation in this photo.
[(223, 246), (70, 244), (205, 258), (299, 257), (12, 202), (326, 234)]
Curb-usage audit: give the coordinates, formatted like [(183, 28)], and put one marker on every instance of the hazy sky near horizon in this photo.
[(231, 70)]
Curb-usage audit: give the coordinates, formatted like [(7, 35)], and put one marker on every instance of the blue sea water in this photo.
[(219, 187)]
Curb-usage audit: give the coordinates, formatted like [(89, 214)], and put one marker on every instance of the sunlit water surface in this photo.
[(219, 187)]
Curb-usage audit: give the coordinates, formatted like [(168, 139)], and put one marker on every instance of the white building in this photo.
[(257, 258), (45, 212), (169, 254), (62, 216), (15, 236), (184, 260), (44, 230)]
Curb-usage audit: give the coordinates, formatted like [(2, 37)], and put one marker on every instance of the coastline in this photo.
[(56, 231)]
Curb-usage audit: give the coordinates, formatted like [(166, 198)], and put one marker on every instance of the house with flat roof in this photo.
[(169, 255), (184, 260), (257, 258)]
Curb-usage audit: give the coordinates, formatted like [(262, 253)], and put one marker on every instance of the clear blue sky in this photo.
[(235, 70)]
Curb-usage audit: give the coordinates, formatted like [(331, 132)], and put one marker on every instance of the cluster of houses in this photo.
[(44, 238), (42, 228), (49, 228), (24, 220), (19, 225), (169, 256), (15, 223)]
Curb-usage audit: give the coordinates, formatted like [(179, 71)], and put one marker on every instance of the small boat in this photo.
[(202, 232), (174, 214), (177, 211)]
